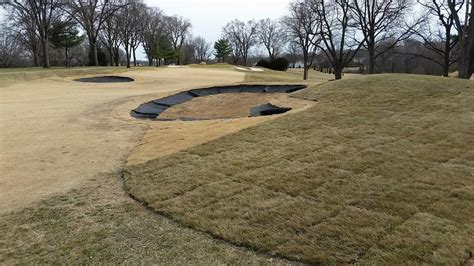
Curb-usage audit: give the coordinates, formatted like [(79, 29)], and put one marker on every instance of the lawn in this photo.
[(380, 170), (100, 224), (10, 76)]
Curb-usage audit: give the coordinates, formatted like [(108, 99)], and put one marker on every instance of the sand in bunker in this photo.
[(168, 137), (224, 105), (55, 133)]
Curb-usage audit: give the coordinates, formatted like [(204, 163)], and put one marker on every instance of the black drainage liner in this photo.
[(105, 79), (151, 110), (268, 109)]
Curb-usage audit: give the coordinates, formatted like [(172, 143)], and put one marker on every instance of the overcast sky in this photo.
[(209, 16)]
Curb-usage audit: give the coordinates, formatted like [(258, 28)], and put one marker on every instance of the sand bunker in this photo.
[(155, 109), (227, 105), (255, 69), (105, 79)]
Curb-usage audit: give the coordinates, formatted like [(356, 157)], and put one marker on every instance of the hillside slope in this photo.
[(381, 169)]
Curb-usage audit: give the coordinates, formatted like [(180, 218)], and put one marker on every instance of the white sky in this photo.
[(209, 16)]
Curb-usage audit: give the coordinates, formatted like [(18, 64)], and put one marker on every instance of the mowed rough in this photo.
[(56, 133), (381, 169)]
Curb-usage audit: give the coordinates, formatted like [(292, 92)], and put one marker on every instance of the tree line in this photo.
[(372, 36), (355, 33), (112, 28)]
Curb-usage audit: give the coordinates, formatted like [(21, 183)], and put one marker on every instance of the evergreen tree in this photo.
[(65, 34), (223, 49), (165, 50)]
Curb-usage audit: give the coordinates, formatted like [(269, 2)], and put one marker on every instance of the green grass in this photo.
[(380, 170)]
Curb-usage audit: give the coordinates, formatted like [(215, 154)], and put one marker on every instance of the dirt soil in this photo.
[(56, 133)]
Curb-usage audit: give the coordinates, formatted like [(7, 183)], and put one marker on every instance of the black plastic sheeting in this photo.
[(267, 109), (151, 110), (105, 79)]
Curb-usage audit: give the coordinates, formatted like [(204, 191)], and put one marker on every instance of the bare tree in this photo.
[(109, 37), (10, 47), (178, 28), (153, 26), (42, 13), (338, 34), (380, 22), (91, 15), (136, 39), (272, 36), (203, 49), (242, 37), (128, 24), (439, 41), (303, 25), (188, 52), (28, 35), (293, 53), (465, 28)]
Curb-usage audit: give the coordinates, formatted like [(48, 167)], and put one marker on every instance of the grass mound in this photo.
[(381, 169), (97, 224)]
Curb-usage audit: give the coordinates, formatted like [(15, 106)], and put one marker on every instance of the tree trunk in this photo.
[(371, 63), (134, 58), (270, 54), (36, 59), (472, 58), (447, 52), (150, 61), (371, 50), (95, 59), (305, 66), (466, 43), (465, 71), (117, 56), (111, 50), (67, 58), (338, 72), (127, 54), (44, 42), (464, 68), (111, 56)]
